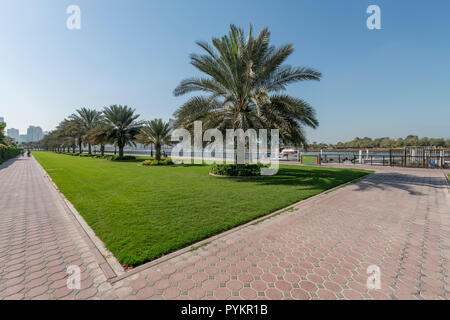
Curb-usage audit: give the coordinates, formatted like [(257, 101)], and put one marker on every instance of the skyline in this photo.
[(376, 83)]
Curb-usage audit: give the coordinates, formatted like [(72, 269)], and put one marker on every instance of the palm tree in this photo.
[(121, 125), (99, 136), (244, 80), (87, 119), (155, 132), (70, 133)]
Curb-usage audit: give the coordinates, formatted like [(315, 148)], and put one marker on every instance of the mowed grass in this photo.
[(141, 213)]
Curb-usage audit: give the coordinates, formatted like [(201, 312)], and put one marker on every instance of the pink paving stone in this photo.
[(17, 296), (86, 294), (274, 294), (258, 285), (145, 293), (200, 276), (12, 290), (171, 293), (234, 285), (138, 284), (308, 286), (162, 284), (324, 294), (61, 292), (210, 285), (283, 285), (245, 277), (300, 294), (186, 284), (248, 293), (268, 277), (222, 293), (332, 286)]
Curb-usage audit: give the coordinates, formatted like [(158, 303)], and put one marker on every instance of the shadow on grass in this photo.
[(314, 178)]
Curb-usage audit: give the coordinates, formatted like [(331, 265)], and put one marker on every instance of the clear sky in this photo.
[(389, 82)]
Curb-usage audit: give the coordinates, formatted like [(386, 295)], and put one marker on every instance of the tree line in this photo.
[(116, 125), (385, 142)]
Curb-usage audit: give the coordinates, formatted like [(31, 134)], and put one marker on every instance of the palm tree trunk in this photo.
[(120, 151), (89, 148), (158, 152), (102, 150), (79, 145)]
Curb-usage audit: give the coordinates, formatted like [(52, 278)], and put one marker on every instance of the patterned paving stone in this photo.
[(38, 235)]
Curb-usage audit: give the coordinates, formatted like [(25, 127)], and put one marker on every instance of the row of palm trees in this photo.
[(116, 125), (244, 77)]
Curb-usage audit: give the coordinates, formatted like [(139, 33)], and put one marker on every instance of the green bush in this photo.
[(231, 170), (162, 162), (8, 152), (117, 158)]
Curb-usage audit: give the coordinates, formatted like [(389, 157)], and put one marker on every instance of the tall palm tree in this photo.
[(244, 78), (87, 119), (122, 125), (156, 132)]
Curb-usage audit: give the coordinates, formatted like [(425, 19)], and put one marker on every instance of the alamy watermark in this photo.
[(373, 22), (374, 279), (230, 150), (74, 278), (73, 22)]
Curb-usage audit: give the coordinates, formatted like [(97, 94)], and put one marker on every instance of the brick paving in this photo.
[(397, 219), (39, 238)]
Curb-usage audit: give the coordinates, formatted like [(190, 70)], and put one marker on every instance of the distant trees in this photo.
[(85, 120), (386, 142), (117, 125)]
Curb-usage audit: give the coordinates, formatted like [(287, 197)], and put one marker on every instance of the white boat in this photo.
[(288, 154)]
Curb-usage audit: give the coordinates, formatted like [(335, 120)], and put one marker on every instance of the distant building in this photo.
[(13, 133), (2, 119), (23, 138), (34, 134)]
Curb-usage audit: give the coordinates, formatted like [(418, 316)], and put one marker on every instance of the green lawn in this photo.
[(143, 212)]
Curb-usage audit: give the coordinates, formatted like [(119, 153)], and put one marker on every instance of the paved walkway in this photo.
[(396, 219)]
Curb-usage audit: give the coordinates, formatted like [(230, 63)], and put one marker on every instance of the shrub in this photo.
[(8, 152), (232, 170), (117, 158), (163, 162)]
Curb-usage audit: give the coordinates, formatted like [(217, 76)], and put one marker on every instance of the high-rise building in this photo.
[(2, 119), (13, 133), (34, 134)]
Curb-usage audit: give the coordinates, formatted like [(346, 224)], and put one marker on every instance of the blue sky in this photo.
[(389, 82)]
